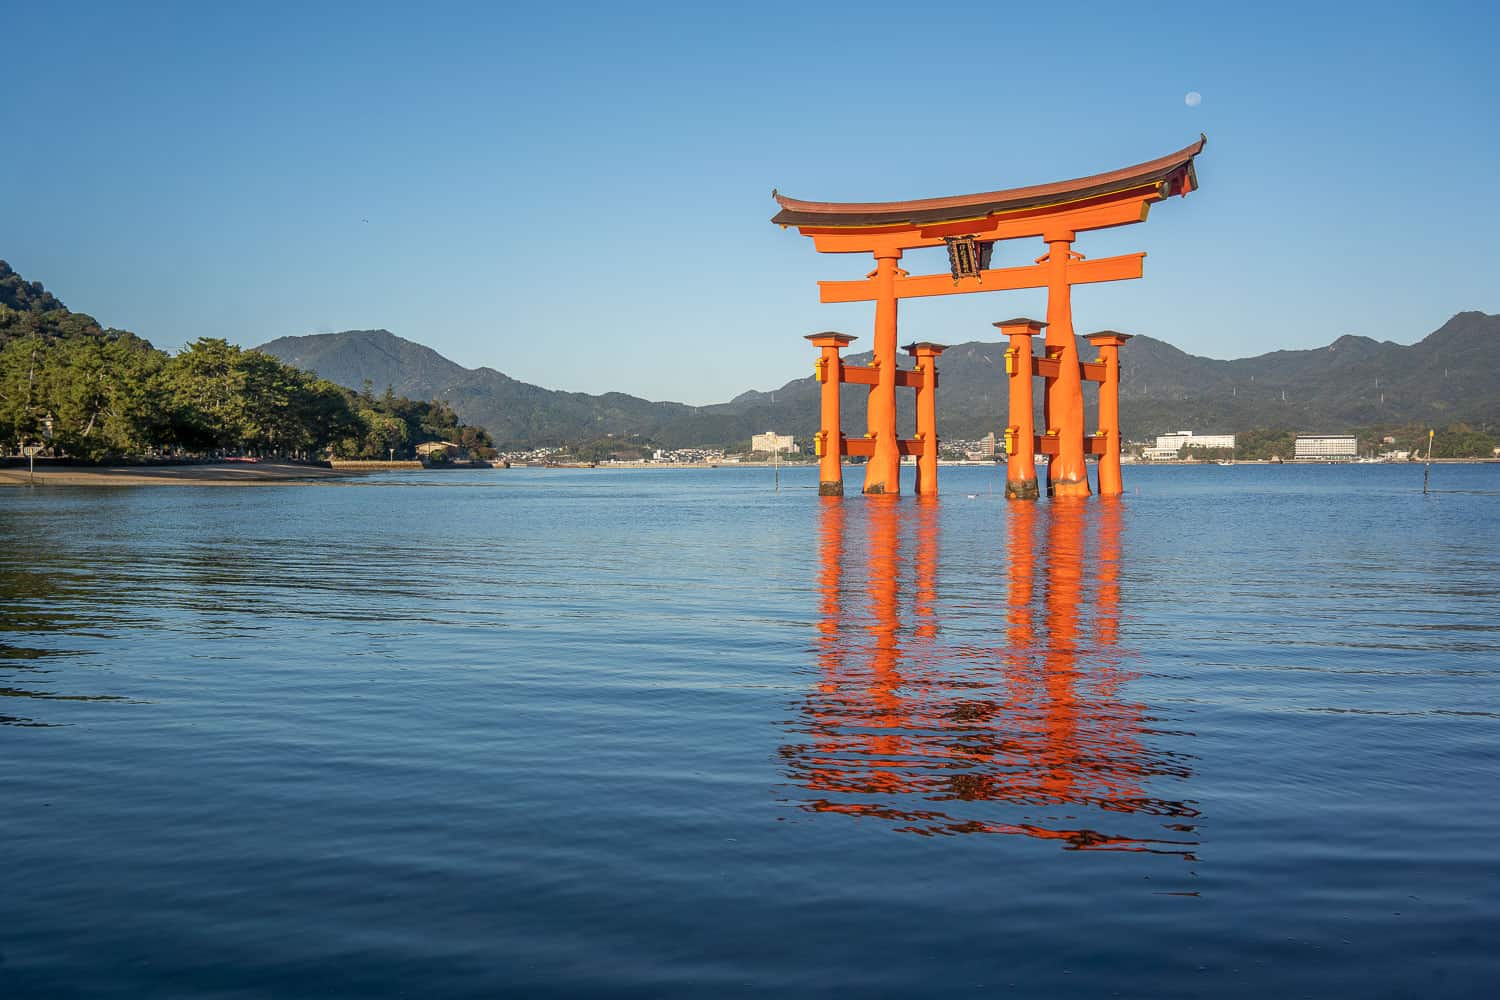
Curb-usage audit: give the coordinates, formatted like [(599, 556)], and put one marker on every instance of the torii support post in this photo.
[(883, 470), (1109, 343), (1020, 435), (830, 440), (926, 354), (1062, 406)]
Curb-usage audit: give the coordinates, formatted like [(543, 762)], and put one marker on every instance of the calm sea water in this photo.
[(552, 733)]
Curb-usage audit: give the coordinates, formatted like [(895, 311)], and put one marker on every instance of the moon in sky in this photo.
[(1193, 99)]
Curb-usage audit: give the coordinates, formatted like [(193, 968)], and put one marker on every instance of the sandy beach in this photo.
[(217, 474)]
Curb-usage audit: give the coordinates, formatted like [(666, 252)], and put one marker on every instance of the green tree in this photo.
[(23, 390), (1462, 441), (1260, 444), (100, 396), (205, 390)]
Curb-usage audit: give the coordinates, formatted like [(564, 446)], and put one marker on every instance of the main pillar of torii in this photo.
[(1021, 440), (969, 227)]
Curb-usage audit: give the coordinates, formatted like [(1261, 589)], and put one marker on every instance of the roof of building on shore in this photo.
[(1174, 170)]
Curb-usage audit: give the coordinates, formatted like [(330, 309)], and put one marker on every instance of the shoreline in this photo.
[(288, 474), (207, 474), (1266, 461), (949, 463)]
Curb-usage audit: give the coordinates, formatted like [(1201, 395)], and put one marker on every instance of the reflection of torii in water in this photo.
[(1034, 725)]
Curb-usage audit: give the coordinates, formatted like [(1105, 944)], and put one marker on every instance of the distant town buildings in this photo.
[(982, 450), (1169, 446), (969, 449), (1325, 448), (664, 456), (688, 456), (771, 441)]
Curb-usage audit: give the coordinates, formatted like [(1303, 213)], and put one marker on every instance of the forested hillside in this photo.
[(88, 391), (1447, 379), (515, 412)]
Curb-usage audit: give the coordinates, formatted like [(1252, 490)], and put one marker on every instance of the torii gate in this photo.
[(969, 226)]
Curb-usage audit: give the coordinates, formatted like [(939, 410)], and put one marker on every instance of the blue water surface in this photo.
[(670, 733)]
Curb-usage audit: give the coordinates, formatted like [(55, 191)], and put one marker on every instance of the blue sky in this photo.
[(578, 195)]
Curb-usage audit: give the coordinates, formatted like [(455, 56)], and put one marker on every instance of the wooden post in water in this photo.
[(1427, 470)]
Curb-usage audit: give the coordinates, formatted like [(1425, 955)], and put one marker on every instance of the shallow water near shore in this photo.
[(556, 732)]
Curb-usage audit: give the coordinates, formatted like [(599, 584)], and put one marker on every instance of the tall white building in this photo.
[(1326, 448), (771, 441)]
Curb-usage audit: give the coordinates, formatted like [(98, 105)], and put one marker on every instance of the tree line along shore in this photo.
[(75, 388)]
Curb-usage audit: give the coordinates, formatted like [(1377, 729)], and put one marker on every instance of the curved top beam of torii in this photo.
[(1170, 174), (1051, 211)]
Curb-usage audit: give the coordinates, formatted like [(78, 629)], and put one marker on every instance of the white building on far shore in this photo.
[(1326, 448), (1168, 445), (771, 441)]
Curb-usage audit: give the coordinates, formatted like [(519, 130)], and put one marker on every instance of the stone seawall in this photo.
[(361, 465)]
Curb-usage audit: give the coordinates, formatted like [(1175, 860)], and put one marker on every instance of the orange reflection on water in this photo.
[(1029, 733)]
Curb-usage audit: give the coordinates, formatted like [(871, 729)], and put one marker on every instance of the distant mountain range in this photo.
[(1450, 376)]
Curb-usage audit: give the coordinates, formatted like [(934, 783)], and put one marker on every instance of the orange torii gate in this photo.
[(969, 226)]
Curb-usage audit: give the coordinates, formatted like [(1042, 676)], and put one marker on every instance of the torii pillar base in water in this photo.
[(1022, 444), (1109, 343), (1020, 435), (925, 378), (829, 444), (1062, 395)]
